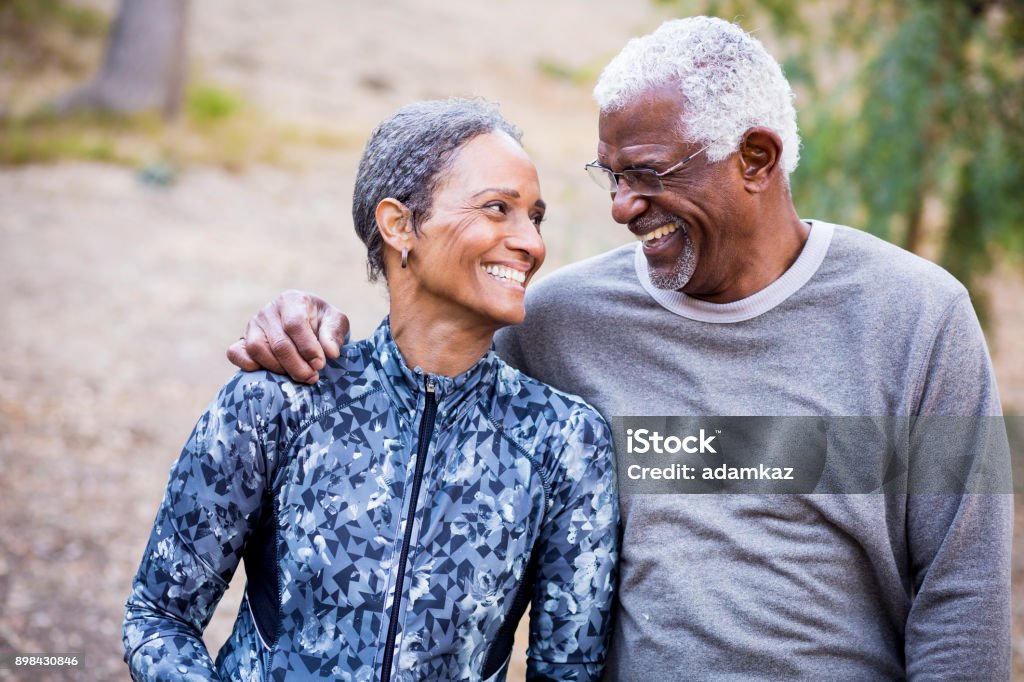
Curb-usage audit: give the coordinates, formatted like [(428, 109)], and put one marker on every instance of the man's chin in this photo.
[(671, 264), (672, 278)]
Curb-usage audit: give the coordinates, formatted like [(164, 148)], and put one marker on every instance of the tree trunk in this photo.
[(144, 65)]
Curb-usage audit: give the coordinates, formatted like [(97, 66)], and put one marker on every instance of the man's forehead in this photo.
[(639, 138), (652, 118)]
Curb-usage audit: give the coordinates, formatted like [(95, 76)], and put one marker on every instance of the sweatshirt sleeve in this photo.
[(570, 617), (959, 544), (214, 498)]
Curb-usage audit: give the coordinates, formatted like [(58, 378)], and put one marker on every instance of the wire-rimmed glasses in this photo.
[(643, 181)]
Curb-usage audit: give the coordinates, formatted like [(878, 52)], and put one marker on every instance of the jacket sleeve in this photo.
[(959, 544), (213, 500), (570, 616)]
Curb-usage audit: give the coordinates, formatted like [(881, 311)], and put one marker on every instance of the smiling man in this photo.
[(733, 305)]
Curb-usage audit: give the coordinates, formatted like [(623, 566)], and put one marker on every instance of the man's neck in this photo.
[(774, 245)]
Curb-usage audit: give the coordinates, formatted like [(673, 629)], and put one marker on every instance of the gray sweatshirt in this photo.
[(794, 586)]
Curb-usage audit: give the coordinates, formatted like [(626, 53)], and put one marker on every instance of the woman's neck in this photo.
[(438, 343)]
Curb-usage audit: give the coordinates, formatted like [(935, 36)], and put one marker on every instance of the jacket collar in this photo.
[(406, 386)]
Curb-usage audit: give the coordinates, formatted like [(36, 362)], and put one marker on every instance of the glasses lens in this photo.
[(602, 177), (643, 181)]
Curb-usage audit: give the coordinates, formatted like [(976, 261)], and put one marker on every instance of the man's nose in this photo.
[(627, 204)]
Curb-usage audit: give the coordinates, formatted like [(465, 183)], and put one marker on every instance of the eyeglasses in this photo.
[(644, 181)]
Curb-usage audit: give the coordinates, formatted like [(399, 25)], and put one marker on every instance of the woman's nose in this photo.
[(526, 237)]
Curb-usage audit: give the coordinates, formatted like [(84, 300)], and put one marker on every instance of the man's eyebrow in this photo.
[(641, 162), (645, 161)]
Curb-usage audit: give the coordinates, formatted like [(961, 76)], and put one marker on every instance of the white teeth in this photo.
[(665, 229), (501, 272)]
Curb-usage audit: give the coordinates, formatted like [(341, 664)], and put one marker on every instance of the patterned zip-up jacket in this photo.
[(394, 525)]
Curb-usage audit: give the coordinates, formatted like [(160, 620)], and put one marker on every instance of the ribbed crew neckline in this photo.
[(806, 264)]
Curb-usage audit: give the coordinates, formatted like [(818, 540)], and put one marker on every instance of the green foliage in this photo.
[(939, 120), (44, 138), (41, 35), (210, 104), (20, 146), (35, 15), (218, 128), (574, 75)]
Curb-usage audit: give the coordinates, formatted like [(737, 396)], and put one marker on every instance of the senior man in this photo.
[(733, 305)]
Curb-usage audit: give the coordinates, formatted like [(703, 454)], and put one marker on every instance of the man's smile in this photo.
[(660, 235)]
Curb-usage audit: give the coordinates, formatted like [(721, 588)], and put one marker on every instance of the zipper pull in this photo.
[(430, 385)]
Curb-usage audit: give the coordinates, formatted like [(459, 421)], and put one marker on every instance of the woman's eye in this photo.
[(537, 220), (498, 206)]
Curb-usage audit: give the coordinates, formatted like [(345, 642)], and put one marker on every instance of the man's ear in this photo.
[(394, 220), (760, 153)]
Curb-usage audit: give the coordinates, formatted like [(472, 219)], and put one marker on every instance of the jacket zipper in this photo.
[(426, 432)]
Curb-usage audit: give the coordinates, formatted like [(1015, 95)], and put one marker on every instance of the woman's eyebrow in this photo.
[(511, 193)]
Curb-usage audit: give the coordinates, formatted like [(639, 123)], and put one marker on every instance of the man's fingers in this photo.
[(333, 331), (294, 334), (298, 323), (238, 357), (280, 334), (257, 347)]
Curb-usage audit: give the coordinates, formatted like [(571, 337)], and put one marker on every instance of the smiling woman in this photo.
[(397, 517), (468, 264)]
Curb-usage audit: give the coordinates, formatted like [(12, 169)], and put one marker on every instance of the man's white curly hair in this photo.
[(727, 80)]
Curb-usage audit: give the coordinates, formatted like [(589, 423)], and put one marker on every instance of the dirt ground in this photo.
[(118, 299)]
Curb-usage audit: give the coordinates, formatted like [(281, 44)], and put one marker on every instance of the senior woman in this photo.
[(396, 518)]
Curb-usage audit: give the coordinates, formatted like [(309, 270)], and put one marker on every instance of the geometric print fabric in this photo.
[(311, 483)]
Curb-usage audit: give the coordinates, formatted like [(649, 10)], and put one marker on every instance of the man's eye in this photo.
[(638, 175)]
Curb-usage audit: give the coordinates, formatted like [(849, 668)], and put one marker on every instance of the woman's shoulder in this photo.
[(277, 396), (264, 399), (352, 371), (537, 409), (566, 438)]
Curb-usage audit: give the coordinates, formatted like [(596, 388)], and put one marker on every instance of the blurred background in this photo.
[(166, 168)]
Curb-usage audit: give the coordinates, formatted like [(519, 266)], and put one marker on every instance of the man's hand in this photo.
[(293, 335)]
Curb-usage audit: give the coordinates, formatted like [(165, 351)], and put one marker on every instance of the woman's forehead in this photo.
[(493, 159)]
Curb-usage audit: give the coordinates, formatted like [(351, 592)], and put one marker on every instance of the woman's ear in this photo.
[(394, 221), (760, 153)]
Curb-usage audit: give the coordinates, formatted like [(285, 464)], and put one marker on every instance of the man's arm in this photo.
[(294, 334), (959, 545)]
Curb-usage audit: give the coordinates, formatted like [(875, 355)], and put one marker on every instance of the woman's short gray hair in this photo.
[(728, 81), (406, 157)]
